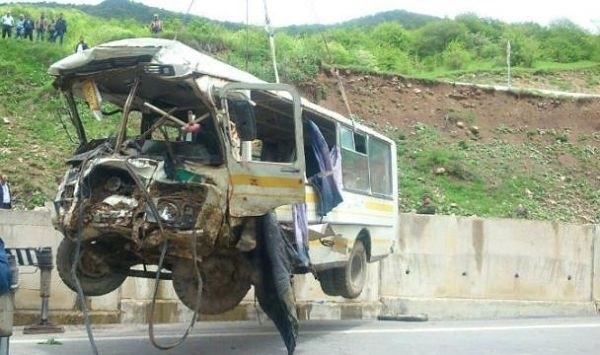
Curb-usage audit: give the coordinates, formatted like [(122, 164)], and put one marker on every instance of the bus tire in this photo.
[(347, 281), (96, 276), (351, 279), (226, 279)]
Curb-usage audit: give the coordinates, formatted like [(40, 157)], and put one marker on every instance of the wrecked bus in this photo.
[(200, 156)]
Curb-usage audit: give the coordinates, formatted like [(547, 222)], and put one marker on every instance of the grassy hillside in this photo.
[(516, 167)]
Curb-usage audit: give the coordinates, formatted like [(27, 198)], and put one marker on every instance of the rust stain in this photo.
[(418, 224), (478, 240)]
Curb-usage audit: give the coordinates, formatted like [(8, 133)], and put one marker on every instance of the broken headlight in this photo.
[(167, 211), (113, 184)]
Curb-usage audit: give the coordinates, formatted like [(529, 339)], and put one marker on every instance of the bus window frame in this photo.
[(367, 136)]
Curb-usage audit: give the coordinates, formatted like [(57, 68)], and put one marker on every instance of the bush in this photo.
[(434, 37), (566, 42), (365, 59), (524, 50), (456, 56), (394, 60)]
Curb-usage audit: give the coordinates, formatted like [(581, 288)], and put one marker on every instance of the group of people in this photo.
[(25, 27)]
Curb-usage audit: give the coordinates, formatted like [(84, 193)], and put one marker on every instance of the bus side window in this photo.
[(355, 163), (380, 165)]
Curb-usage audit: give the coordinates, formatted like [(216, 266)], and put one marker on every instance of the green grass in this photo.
[(496, 178)]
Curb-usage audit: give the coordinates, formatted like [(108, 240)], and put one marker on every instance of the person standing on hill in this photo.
[(427, 206), (28, 27), (8, 23), (156, 24), (81, 46), (41, 26), (60, 28), (51, 27), (5, 193), (20, 27)]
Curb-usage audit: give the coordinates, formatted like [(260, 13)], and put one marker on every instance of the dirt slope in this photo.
[(400, 102)]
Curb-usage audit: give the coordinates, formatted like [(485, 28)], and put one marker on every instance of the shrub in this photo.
[(455, 56)]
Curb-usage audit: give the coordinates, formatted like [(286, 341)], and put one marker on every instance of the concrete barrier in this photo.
[(445, 266), (500, 261)]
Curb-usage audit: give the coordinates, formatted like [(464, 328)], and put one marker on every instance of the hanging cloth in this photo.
[(324, 180), (301, 234)]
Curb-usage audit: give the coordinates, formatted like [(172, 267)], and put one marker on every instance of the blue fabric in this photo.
[(5, 275), (301, 233), (323, 181)]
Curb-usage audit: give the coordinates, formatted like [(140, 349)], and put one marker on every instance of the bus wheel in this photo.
[(347, 281), (96, 276), (225, 282), (352, 277)]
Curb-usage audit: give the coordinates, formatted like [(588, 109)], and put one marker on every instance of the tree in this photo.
[(455, 56), (434, 37), (566, 42), (390, 35), (524, 49)]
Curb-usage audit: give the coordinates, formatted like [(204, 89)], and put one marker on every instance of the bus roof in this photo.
[(185, 61)]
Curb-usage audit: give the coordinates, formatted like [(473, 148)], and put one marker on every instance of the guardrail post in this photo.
[(44, 262)]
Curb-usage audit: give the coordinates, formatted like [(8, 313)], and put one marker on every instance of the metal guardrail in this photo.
[(25, 256)]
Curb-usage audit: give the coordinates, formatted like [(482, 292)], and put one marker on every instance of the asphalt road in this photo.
[(524, 336)]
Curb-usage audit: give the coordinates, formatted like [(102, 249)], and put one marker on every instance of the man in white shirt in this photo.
[(81, 46), (5, 194), (7, 24)]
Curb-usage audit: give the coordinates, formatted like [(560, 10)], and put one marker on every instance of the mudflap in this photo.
[(273, 261)]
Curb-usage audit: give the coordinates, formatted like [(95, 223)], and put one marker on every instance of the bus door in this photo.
[(263, 128)]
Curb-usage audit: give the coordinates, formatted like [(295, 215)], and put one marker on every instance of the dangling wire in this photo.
[(60, 113), (269, 30), (163, 252), (77, 256), (335, 71), (185, 22)]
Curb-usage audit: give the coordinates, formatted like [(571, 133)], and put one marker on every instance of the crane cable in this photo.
[(334, 70), (163, 252), (187, 15), (77, 260), (271, 34), (247, 33)]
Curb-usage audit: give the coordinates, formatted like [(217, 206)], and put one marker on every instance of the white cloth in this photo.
[(8, 20), (5, 194), (79, 48)]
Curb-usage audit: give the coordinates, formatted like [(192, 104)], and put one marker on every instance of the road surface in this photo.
[(523, 336)]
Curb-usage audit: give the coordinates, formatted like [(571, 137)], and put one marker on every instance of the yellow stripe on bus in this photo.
[(379, 206), (266, 181), (370, 205)]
